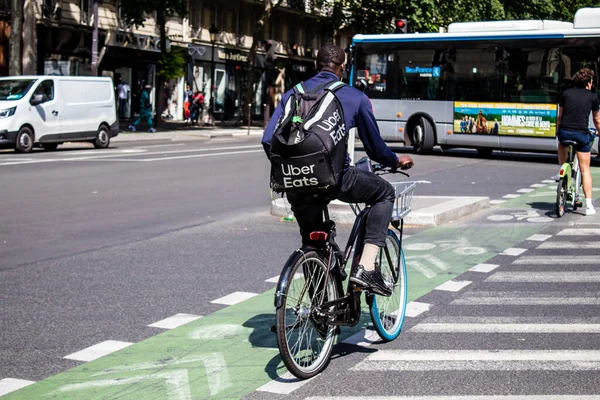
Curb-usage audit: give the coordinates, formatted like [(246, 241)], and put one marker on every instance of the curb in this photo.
[(446, 210)]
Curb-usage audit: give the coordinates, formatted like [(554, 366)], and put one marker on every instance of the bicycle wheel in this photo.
[(561, 197), (304, 338), (388, 313)]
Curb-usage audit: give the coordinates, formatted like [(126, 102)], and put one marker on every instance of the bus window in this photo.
[(476, 75), (422, 74), (580, 57), (371, 74)]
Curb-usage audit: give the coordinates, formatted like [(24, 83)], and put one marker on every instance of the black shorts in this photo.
[(583, 139)]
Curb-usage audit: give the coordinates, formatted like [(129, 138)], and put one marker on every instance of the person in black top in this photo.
[(572, 123)]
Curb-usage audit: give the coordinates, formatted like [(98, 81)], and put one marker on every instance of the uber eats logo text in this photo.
[(330, 123), (295, 177)]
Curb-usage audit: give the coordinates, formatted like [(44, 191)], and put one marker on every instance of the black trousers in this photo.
[(356, 186)]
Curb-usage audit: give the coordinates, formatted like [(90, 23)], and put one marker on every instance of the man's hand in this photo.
[(405, 162)]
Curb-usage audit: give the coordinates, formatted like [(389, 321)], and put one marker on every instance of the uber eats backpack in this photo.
[(309, 144)]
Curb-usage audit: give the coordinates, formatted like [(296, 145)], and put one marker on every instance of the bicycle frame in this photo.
[(348, 305)]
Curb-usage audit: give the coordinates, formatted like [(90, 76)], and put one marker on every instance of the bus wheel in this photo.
[(423, 136), (24, 143), (484, 152)]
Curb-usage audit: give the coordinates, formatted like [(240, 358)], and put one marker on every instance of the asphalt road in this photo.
[(96, 245)]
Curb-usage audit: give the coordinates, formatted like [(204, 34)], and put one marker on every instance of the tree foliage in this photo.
[(366, 16), (172, 64)]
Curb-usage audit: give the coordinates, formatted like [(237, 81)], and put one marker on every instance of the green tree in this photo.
[(136, 12)]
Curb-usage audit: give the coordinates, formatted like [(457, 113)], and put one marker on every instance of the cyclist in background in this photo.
[(355, 186), (572, 124)]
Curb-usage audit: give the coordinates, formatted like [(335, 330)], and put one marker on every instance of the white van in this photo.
[(50, 110)]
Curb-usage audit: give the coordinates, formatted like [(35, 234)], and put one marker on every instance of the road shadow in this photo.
[(263, 336)]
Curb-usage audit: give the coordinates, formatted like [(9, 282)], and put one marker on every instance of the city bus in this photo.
[(491, 85)]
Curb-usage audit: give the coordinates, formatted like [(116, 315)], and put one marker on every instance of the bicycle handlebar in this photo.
[(367, 165)]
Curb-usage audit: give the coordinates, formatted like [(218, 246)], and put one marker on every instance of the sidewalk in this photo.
[(169, 130), (426, 210)]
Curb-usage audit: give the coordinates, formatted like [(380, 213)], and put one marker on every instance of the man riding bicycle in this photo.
[(355, 185), (572, 124)]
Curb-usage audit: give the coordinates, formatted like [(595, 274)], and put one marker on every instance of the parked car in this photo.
[(51, 110)]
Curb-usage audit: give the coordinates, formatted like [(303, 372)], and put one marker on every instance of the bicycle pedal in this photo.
[(578, 204)]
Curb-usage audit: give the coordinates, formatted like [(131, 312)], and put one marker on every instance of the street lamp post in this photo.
[(213, 37)]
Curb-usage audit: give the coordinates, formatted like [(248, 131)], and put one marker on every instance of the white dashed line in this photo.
[(414, 308), (453, 286), (539, 238), (98, 350), (579, 232), (525, 190), (548, 181), (493, 202), (8, 385), (538, 185), (234, 298), (513, 251), (175, 321), (285, 384), (485, 268), (511, 196), (364, 338)]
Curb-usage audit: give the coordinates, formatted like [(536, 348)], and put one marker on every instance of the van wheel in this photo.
[(50, 146), (103, 138), (423, 136), (25, 140)]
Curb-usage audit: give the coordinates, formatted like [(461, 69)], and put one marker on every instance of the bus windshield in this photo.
[(14, 89)]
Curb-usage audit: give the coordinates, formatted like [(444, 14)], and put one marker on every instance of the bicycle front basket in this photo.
[(404, 195)]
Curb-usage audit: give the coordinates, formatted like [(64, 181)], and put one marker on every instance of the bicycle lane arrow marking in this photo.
[(177, 364)]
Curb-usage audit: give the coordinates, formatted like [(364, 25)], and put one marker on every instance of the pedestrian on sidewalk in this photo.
[(123, 91), (187, 102), (145, 110)]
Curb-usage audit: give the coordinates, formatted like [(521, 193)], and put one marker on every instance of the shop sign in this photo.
[(231, 56), (134, 41)]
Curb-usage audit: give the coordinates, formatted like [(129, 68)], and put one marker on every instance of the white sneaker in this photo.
[(590, 211)]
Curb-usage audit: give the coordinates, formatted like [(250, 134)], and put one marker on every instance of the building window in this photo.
[(195, 10)]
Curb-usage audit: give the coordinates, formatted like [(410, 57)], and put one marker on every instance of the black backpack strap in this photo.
[(322, 86)]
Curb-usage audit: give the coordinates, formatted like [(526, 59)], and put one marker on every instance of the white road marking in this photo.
[(527, 190), (511, 196), (539, 237), (175, 321), (419, 246), (482, 397), (527, 301), (8, 385), (285, 384), (453, 286), (506, 328), (538, 185), (513, 251), (550, 277), (234, 298), (548, 181), (497, 201), (200, 155), (363, 338), (159, 145), (98, 350), (554, 260), (579, 232), (415, 308), (501, 217), (485, 268), (473, 360), (569, 245)]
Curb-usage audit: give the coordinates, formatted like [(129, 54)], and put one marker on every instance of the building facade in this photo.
[(57, 40)]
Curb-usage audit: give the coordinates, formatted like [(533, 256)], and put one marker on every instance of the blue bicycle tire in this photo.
[(380, 306)]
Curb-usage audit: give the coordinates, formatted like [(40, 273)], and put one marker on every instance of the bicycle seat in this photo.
[(569, 142)]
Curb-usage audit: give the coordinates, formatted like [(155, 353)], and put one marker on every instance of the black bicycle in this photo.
[(310, 299)]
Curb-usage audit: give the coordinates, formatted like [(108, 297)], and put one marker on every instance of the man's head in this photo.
[(584, 78), (331, 58)]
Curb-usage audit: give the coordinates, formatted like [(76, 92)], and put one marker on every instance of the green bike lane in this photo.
[(232, 352)]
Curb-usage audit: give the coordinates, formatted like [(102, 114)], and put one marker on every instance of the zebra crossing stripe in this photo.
[(8, 385), (554, 277), (506, 328), (568, 245), (556, 300), (580, 232), (519, 397), (453, 286), (554, 260), (539, 237), (284, 384), (478, 360)]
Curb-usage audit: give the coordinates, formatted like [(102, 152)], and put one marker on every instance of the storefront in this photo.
[(132, 59), (66, 50)]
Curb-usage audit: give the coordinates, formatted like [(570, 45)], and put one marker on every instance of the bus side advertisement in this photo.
[(507, 119)]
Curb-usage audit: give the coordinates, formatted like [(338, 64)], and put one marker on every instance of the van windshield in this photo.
[(14, 89)]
